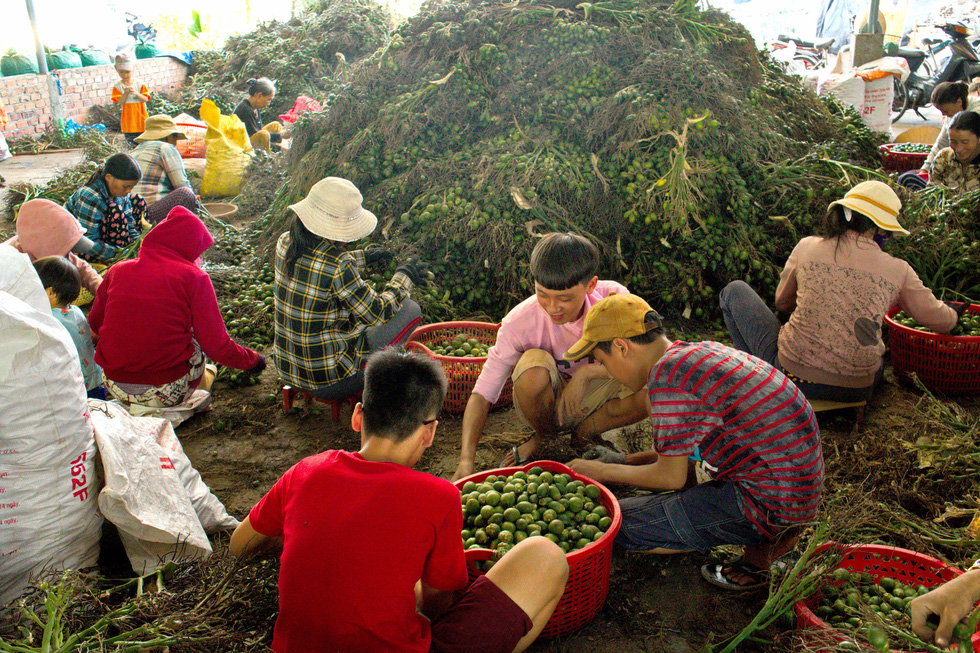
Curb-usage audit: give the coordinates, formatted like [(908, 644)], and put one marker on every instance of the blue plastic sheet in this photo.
[(71, 127)]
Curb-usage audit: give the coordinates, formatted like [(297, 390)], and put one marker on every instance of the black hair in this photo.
[(401, 391), (947, 92), (121, 166), (301, 241), (61, 276), (647, 338), (262, 86), (966, 121), (835, 223), (562, 260)]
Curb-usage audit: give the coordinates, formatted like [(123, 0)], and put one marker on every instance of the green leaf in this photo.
[(195, 28)]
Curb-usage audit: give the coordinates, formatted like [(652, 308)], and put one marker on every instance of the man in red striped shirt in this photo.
[(754, 430)]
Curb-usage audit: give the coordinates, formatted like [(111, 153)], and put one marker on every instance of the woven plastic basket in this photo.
[(948, 364), (461, 373), (588, 567), (900, 161), (909, 567)]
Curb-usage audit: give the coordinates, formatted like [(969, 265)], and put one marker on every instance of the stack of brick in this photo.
[(26, 100)]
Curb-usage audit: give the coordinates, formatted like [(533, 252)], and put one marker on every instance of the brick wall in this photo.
[(25, 97)]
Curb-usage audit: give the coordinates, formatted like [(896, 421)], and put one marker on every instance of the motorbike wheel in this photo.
[(809, 61), (900, 101)]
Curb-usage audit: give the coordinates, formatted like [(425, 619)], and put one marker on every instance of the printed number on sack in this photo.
[(78, 477)]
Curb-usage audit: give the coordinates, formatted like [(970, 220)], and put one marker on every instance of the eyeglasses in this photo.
[(430, 421)]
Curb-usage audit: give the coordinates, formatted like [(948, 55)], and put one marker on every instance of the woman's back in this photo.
[(842, 288)]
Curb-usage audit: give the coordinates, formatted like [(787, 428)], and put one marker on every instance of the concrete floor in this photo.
[(36, 168), (910, 120)]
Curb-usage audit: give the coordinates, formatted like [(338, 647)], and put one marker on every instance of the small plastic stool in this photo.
[(290, 394), (821, 405)]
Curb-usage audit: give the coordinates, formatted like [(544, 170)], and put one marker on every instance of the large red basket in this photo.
[(588, 567), (909, 567), (900, 161), (461, 373), (949, 364)]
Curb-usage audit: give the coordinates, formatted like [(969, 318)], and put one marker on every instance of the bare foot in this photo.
[(207, 379), (464, 468), (525, 452)]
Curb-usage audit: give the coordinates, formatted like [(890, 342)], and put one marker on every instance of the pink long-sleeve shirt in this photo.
[(527, 326), (838, 295)]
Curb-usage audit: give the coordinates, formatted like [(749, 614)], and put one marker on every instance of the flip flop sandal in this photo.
[(518, 461), (715, 575)]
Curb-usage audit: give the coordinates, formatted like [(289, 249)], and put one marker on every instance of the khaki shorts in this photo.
[(598, 392)]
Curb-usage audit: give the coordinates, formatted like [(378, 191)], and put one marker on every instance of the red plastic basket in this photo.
[(588, 567), (900, 161), (909, 567), (948, 364), (461, 373)]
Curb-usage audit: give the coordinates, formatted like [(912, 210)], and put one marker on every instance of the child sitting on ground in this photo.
[(367, 541), (550, 393), (63, 284)]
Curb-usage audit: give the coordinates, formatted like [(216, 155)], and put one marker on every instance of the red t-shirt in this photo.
[(357, 536)]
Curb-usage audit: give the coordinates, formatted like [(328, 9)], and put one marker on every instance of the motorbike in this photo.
[(809, 53), (915, 92)]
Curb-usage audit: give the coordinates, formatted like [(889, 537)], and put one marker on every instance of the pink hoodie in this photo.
[(47, 229)]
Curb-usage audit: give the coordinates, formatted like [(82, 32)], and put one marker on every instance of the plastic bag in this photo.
[(228, 152), (154, 496), (195, 145)]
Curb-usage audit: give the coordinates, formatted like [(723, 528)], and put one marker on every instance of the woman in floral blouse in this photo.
[(958, 166)]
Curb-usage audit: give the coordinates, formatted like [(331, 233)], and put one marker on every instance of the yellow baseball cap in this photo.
[(616, 316)]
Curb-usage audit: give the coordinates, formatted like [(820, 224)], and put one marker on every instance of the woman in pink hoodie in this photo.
[(156, 317), (47, 229)]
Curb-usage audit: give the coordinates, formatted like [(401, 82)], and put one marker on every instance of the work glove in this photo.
[(416, 270), (256, 369), (959, 307), (605, 455), (377, 254)]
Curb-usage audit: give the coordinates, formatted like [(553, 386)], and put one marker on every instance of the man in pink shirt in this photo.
[(550, 393)]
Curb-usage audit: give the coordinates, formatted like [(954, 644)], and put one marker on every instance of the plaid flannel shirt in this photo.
[(163, 170), (90, 204), (323, 311)]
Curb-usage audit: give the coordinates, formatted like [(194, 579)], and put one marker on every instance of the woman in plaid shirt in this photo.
[(328, 319)]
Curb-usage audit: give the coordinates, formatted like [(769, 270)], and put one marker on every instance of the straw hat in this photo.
[(159, 127), (877, 201), (333, 210)]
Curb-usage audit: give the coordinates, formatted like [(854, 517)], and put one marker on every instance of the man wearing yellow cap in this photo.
[(755, 431)]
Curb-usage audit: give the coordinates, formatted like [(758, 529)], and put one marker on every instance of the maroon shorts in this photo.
[(483, 620)]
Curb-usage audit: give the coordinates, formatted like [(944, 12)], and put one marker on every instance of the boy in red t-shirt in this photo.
[(367, 541)]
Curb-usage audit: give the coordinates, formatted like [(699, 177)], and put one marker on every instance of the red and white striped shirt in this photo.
[(752, 426)]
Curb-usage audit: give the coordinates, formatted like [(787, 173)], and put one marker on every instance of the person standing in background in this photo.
[(132, 96)]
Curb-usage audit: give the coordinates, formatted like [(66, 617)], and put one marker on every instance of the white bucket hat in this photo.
[(332, 210), (877, 201)]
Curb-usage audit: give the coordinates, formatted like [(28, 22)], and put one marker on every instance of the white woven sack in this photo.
[(154, 496), (48, 473)]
